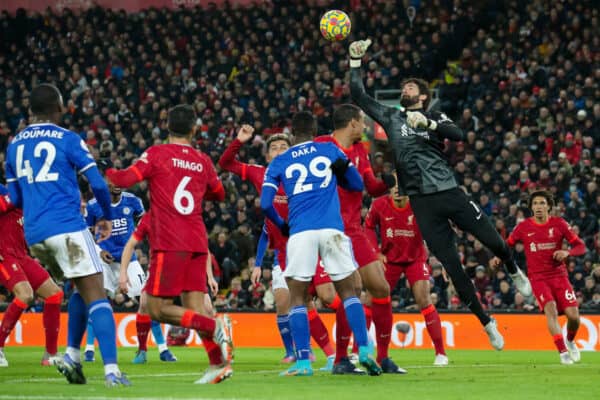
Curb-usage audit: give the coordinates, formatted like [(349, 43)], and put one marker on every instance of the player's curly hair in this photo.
[(279, 136), (423, 89), (541, 193)]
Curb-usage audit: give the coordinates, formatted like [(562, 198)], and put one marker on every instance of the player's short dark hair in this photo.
[(181, 121), (541, 193), (344, 114), (423, 89), (304, 126), (45, 99), (278, 136)]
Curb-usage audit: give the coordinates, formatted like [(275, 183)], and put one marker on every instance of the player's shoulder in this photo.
[(130, 197), (381, 201), (92, 203), (324, 139), (558, 221)]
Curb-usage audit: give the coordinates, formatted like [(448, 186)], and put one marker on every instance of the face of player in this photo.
[(115, 191), (359, 127), (276, 147), (540, 208), (411, 96)]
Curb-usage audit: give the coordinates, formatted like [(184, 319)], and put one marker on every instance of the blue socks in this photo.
[(300, 332), (78, 316), (355, 315), (103, 323), (283, 324), (157, 333)]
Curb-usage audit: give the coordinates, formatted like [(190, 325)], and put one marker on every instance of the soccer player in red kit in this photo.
[(23, 276), (543, 236), (349, 124), (403, 252), (180, 177), (277, 144)]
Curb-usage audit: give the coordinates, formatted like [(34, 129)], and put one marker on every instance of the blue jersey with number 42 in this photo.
[(44, 160), (311, 187)]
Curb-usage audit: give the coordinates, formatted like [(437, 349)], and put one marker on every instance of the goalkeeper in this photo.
[(417, 137)]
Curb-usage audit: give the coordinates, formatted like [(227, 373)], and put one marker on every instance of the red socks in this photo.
[(215, 356), (143, 323), (51, 319), (382, 318), (11, 316), (318, 331), (204, 325), (559, 342), (342, 334), (434, 328)]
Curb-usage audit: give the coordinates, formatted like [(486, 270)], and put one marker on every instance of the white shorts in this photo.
[(135, 273), (278, 279), (75, 253), (304, 249)]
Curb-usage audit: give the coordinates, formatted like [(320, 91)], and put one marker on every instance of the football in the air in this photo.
[(335, 25)]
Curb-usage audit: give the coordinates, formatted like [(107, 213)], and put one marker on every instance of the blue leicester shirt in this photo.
[(122, 215), (42, 163), (311, 187)]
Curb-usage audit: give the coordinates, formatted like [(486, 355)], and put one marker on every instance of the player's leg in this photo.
[(302, 255), (470, 218), (430, 212), (76, 254), (13, 278), (343, 334), (143, 324), (318, 331), (335, 249), (566, 302), (418, 278), (282, 308), (572, 314), (53, 297), (90, 339), (322, 287), (183, 273), (372, 274), (551, 312)]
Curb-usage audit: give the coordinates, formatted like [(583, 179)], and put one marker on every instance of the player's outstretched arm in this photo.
[(228, 161), (378, 111)]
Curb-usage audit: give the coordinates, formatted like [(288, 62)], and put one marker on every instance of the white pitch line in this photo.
[(53, 397), (272, 371)]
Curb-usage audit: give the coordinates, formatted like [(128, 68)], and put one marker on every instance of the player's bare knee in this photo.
[(24, 292)]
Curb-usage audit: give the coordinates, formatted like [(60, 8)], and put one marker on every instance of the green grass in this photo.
[(485, 375)]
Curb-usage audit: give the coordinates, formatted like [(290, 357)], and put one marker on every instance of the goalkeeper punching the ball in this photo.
[(416, 137)]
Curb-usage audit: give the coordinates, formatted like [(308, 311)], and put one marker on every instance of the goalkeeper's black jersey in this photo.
[(421, 165)]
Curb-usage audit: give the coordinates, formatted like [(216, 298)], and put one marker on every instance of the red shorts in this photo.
[(321, 277), (174, 272), (364, 252), (557, 289), (281, 256), (417, 271), (14, 270)]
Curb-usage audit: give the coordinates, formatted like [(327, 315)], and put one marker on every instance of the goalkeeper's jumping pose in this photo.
[(417, 139)]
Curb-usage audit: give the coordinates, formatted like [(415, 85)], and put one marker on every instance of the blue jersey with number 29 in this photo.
[(44, 159), (311, 187)]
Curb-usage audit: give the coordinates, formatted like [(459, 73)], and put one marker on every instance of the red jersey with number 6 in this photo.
[(541, 241), (179, 177)]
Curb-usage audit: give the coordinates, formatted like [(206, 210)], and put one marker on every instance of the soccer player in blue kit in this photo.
[(310, 173), (43, 161)]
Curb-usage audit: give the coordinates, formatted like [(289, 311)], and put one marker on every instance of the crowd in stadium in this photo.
[(520, 78)]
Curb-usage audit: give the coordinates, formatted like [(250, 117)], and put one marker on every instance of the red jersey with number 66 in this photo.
[(179, 177), (541, 241)]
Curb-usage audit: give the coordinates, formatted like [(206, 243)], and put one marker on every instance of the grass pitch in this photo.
[(485, 375)]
